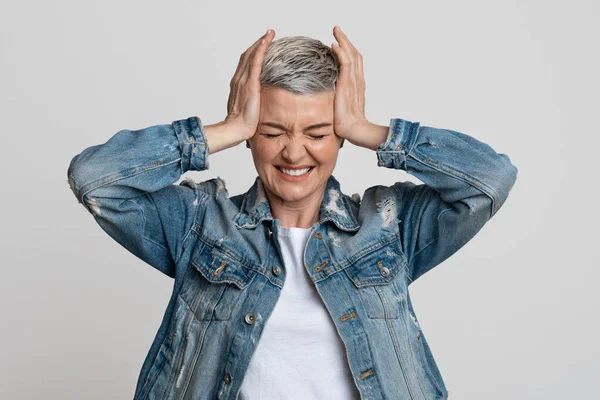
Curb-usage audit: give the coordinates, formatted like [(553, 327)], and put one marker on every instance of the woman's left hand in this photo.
[(349, 115)]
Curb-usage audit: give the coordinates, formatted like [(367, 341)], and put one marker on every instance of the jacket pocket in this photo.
[(379, 278), (215, 283)]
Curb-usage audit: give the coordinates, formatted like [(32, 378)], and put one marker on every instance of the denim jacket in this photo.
[(227, 266)]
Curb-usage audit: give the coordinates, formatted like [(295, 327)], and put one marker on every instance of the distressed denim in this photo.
[(227, 266)]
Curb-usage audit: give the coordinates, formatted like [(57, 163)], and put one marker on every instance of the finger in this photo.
[(259, 56), (249, 60), (251, 49), (359, 64), (354, 56), (343, 40), (243, 62), (345, 60)]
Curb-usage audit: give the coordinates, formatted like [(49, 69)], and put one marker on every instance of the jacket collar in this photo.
[(335, 207)]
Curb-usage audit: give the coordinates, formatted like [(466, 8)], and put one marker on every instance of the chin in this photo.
[(292, 192)]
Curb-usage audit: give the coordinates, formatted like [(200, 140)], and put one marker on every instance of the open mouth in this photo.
[(295, 172)]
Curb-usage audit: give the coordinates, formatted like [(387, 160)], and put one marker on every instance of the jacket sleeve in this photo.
[(465, 184), (127, 184)]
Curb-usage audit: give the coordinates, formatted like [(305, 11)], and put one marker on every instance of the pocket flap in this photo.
[(218, 265), (378, 267)]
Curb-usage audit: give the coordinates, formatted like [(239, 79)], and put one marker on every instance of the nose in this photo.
[(293, 150)]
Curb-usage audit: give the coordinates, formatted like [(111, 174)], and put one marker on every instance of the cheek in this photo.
[(264, 151), (324, 151)]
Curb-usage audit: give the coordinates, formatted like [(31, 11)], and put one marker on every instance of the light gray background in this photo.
[(513, 315)]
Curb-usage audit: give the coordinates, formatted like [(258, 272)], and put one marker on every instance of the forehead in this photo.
[(284, 107)]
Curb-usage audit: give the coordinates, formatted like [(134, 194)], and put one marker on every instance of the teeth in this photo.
[(294, 172)]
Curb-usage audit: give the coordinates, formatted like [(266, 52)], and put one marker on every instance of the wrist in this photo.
[(223, 135), (369, 135), (238, 128)]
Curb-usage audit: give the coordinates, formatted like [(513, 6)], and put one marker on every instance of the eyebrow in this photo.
[(278, 126)]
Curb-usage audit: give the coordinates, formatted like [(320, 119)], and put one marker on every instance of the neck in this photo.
[(300, 214)]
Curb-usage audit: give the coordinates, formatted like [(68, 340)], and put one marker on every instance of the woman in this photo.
[(343, 326)]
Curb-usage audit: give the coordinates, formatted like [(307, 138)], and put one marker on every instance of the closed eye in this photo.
[(270, 136)]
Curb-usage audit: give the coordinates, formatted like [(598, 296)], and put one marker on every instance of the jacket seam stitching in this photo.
[(476, 183), (455, 173), (426, 246), (189, 231), (145, 221), (92, 185), (416, 254)]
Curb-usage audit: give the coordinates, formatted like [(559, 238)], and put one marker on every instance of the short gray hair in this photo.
[(301, 65)]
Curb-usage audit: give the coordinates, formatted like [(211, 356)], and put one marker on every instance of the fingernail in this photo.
[(268, 31)]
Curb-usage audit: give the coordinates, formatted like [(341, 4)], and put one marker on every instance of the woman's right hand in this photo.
[(243, 105)]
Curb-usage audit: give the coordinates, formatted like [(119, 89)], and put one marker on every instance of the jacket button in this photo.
[(276, 269), (384, 271), (250, 318), (227, 378)]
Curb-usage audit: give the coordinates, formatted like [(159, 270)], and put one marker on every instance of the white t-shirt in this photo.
[(299, 355)]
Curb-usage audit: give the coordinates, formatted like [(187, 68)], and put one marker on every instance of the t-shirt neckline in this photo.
[(293, 231)]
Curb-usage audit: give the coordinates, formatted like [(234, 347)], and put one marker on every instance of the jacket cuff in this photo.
[(192, 143), (400, 141)]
